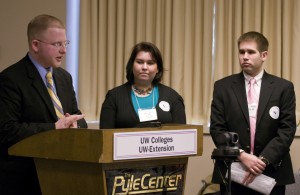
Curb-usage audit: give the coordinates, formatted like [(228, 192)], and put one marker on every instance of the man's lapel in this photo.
[(238, 87), (39, 85), (266, 91)]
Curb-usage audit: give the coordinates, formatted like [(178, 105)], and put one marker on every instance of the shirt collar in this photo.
[(42, 70), (257, 77)]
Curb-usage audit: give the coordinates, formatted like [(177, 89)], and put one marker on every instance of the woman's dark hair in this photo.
[(156, 57)]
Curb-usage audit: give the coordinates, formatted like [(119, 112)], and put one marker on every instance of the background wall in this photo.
[(14, 17)]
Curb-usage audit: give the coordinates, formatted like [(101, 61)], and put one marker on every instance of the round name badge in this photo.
[(274, 112), (165, 106)]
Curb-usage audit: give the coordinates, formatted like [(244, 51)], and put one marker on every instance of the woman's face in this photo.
[(144, 69)]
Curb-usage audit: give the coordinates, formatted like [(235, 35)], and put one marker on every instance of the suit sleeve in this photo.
[(75, 110), (178, 110), (277, 147), (108, 112), (12, 126), (218, 123), (66, 94)]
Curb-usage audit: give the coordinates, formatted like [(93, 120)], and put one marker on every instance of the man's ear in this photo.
[(264, 55), (34, 45)]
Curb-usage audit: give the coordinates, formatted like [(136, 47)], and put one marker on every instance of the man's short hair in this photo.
[(40, 24), (261, 41)]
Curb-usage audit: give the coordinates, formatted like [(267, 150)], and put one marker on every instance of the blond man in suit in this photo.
[(27, 108)]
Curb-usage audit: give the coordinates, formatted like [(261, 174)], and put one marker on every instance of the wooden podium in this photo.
[(78, 161)]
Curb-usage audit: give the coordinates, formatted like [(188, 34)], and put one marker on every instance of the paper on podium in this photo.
[(262, 183)]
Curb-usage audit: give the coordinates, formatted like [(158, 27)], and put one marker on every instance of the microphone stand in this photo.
[(228, 157), (229, 162)]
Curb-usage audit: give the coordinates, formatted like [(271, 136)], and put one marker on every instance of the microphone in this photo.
[(227, 148), (227, 138), (149, 124)]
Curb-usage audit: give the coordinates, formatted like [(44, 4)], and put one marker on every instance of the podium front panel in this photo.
[(80, 161)]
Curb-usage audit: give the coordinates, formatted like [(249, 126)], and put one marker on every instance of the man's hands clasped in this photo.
[(68, 121), (255, 166)]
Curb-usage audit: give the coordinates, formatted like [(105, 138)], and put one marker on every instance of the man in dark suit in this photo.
[(274, 128), (27, 108)]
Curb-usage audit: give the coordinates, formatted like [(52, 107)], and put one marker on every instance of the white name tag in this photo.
[(147, 115), (252, 109)]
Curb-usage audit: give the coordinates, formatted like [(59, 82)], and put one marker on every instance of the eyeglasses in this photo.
[(57, 44)]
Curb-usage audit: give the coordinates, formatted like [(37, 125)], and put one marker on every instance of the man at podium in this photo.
[(36, 95)]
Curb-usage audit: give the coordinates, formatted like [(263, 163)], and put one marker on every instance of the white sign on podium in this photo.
[(150, 144)]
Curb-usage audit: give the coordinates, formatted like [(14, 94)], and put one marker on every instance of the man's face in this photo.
[(50, 48), (251, 60)]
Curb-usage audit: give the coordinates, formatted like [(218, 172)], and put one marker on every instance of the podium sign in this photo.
[(150, 144)]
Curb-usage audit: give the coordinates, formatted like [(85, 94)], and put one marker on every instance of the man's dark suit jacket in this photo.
[(229, 112), (27, 109)]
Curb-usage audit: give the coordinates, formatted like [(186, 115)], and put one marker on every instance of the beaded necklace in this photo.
[(142, 91)]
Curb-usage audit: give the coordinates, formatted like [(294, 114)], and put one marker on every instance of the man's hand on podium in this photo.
[(69, 121)]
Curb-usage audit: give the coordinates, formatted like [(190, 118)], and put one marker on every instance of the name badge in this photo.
[(147, 114), (252, 109)]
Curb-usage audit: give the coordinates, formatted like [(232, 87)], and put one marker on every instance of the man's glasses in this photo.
[(57, 44)]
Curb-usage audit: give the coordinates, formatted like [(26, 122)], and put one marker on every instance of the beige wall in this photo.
[(14, 17)]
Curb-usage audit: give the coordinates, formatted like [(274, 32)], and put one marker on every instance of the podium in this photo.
[(84, 161)]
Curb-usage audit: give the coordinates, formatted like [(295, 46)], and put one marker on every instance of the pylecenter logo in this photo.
[(146, 184), (167, 179)]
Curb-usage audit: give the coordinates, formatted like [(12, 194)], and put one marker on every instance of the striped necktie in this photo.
[(50, 86)]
